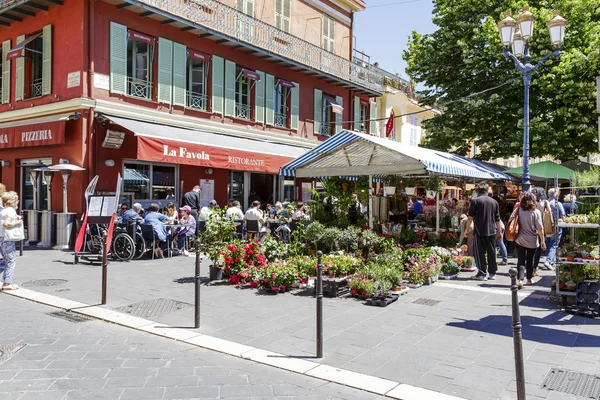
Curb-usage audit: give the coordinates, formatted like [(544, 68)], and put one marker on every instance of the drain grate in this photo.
[(44, 282), (9, 350), (150, 308), (570, 382), (67, 316), (426, 302)]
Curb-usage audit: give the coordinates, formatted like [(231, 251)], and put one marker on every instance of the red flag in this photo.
[(389, 126)]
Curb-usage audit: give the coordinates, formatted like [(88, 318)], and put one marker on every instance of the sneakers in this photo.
[(520, 284), (492, 277), (186, 253), (503, 262), (548, 266), (478, 277)]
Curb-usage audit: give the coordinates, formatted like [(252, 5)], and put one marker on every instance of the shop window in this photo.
[(196, 84), (149, 181), (140, 50)]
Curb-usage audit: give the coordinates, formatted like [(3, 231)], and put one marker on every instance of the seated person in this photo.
[(188, 228), (208, 210), (234, 212), (133, 214), (254, 213), (299, 214), (157, 220), (279, 212), (170, 212), (124, 208)]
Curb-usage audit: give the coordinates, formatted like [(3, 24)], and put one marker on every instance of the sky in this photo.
[(382, 30)]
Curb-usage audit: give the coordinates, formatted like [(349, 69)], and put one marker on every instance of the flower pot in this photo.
[(275, 289), (253, 285), (215, 273), (354, 292), (304, 281), (234, 279), (570, 258)]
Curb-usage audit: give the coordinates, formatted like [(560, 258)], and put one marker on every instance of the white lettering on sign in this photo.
[(182, 152), (4, 139), (45, 134), (246, 161)]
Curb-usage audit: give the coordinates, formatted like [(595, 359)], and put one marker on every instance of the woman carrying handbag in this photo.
[(530, 236), (11, 231)]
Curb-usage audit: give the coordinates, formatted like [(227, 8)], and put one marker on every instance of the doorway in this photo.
[(261, 189), (27, 184)]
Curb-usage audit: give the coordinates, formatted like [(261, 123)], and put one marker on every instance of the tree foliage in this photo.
[(465, 56)]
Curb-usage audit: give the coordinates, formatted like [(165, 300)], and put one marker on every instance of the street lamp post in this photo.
[(518, 34)]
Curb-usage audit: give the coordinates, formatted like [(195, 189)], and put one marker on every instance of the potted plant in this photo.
[(450, 270)]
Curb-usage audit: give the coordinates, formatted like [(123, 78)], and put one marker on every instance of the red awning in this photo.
[(43, 134), (171, 151), (141, 37), (17, 51), (198, 55), (287, 84), (253, 76)]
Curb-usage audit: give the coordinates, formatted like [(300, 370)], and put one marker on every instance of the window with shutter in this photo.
[(197, 73), (338, 117), (217, 84), (283, 14), (20, 84), (259, 98), (165, 70), (329, 34), (140, 52), (5, 86), (47, 60), (295, 106), (318, 112), (230, 75), (269, 99), (30, 68), (373, 123), (118, 58), (179, 74), (246, 25)]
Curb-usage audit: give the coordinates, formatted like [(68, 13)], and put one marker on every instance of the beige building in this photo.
[(399, 97)]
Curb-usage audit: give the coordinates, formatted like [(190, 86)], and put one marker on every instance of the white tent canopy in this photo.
[(353, 154)]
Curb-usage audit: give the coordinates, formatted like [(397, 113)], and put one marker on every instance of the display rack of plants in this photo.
[(382, 301), (334, 287), (413, 285), (586, 300), (399, 290), (448, 276)]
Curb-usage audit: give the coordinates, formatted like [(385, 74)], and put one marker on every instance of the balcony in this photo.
[(196, 101), (12, 11), (213, 20), (36, 88), (242, 111), (280, 120), (139, 88)]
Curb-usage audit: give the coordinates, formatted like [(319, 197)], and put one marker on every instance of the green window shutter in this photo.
[(338, 117), (259, 98), (372, 122), (229, 88), (179, 74), (318, 108), (118, 58), (165, 70), (269, 99), (5, 73), (357, 121), (47, 60), (20, 89), (295, 106), (217, 85)]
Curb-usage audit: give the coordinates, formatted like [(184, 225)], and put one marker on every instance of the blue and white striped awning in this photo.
[(356, 154)]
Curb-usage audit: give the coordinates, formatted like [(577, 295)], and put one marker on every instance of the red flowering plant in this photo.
[(233, 258)]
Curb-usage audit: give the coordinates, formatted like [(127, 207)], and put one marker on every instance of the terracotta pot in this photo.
[(304, 281), (571, 259), (234, 279)]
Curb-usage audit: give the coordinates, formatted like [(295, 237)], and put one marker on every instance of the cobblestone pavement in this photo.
[(97, 360), (459, 344)]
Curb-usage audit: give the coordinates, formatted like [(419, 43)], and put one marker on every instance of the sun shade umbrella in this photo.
[(545, 169)]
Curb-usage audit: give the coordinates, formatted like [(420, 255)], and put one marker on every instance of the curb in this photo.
[(383, 387)]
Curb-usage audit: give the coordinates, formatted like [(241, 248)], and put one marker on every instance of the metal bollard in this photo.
[(517, 336), (197, 287), (104, 267), (319, 288)]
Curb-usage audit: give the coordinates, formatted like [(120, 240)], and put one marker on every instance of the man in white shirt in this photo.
[(234, 212), (254, 213), (207, 211)]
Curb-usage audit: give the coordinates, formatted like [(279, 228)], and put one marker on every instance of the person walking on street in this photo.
[(9, 219), (531, 236), (192, 199), (541, 203), (553, 238), (484, 213), (502, 246)]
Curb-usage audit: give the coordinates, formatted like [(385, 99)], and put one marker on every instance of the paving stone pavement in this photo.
[(461, 346), (63, 360)]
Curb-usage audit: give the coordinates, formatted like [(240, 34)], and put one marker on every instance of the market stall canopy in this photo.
[(353, 153), (545, 170)]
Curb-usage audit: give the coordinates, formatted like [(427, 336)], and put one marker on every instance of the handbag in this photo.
[(548, 220), (14, 234), (512, 228)]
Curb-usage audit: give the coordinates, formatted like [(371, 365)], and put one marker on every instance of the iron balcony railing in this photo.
[(196, 101), (36, 88), (326, 129), (242, 111), (244, 28), (280, 120), (139, 88)]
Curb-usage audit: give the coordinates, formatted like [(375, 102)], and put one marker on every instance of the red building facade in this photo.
[(168, 94)]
